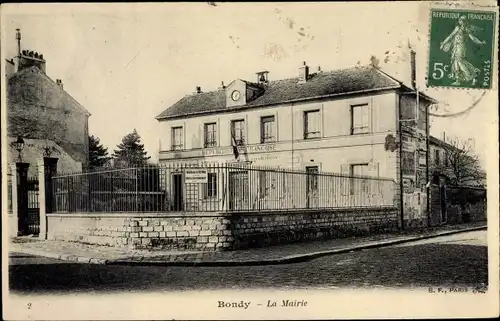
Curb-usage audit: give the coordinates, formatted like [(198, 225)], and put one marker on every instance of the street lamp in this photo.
[(19, 146)]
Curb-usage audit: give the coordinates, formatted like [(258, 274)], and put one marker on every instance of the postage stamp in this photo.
[(461, 48)]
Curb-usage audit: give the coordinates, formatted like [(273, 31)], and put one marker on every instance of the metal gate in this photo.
[(33, 215)]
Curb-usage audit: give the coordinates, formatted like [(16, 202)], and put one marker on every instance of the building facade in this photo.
[(357, 121), (39, 110), (445, 155)]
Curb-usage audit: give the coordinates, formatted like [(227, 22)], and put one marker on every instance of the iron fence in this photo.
[(215, 187), (33, 214), (32, 187)]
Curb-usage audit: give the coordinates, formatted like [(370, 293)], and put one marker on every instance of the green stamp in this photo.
[(461, 48)]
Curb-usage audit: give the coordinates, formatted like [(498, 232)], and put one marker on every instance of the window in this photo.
[(211, 190), (437, 159), (359, 119), (312, 124), (422, 157), (359, 185), (177, 139), (312, 178), (267, 129), (238, 131), (210, 135), (445, 156), (408, 163)]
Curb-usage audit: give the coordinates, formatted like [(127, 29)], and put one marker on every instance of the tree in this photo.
[(98, 154), (131, 152), (459, 164)]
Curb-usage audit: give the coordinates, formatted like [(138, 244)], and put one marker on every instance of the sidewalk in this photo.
[(281, 254)]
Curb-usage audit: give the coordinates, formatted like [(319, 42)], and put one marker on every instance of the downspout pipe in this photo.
[(401, 201)]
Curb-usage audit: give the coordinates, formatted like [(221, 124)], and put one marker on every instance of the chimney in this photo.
[(319, 69), (29, 58), (303, 73), (413, 69), (18, 38), (222, 85), (59, 83), (198, 89)]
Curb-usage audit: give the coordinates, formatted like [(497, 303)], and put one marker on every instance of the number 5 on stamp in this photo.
[(461, 48)]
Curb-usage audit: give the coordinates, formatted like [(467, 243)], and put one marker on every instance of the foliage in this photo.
[(98, 154), (130, 151), (460, 164)]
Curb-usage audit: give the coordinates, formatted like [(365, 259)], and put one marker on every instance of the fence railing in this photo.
[(33, 202), (215, 187)]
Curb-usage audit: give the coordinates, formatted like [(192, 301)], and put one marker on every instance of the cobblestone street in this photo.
[(458, 260)]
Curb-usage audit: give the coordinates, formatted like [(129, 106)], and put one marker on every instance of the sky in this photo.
[(126, 63)]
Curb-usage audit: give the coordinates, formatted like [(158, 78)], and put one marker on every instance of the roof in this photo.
[(441, 143), (320, 85), (34, 69)]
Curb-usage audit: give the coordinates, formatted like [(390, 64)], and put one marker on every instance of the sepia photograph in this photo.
[(218, 160)]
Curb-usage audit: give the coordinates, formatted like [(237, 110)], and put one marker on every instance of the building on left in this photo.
[(44, 115)]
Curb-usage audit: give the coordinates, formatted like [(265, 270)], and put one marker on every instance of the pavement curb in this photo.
[(57, 256), (293, 258), (283, 260)]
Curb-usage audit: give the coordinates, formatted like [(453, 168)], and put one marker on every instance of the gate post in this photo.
[(47, 168), (20, 196), (13, 224)]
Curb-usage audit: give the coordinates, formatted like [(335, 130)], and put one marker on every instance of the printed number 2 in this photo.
[(29, 305), (439, 70)]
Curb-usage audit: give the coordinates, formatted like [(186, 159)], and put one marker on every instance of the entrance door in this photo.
[(442, 194), (177, 192), (238, 191), (312, 186)]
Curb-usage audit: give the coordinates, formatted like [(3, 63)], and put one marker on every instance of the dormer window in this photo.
[(241, 92)]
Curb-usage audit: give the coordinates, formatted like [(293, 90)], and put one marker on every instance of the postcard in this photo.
[(243, 161)]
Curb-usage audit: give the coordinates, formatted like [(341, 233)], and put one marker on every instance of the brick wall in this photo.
[(217, 231), (37, 108)]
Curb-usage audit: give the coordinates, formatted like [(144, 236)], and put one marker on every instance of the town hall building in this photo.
[(348, 121)]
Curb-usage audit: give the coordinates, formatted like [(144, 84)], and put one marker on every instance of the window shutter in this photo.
[(370, 118), (202, 190), (202, 135)]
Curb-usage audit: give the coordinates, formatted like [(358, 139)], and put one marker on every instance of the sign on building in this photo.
[(196, 176)]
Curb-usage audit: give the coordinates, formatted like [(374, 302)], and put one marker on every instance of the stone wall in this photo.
[(34, 149), (202, 231), (264, 229), (38, 108), (462, 205), (218, 231)]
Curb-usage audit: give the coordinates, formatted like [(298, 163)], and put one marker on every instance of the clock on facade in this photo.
[(235, 95)]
